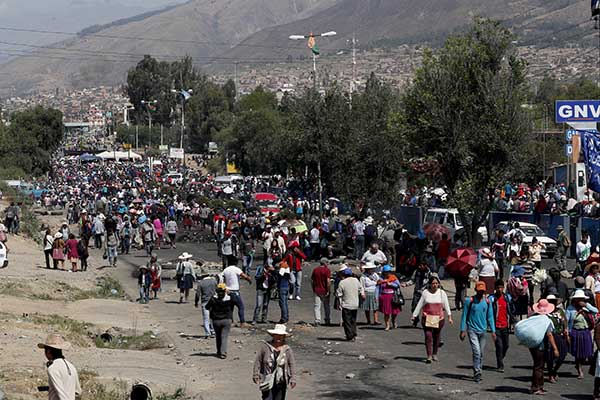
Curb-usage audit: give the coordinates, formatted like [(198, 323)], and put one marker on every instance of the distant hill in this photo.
[(199, 28), (222, 31), (387, 23)]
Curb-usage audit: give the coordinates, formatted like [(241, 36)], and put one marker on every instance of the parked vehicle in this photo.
[(266, 203), (450, 218), (530, 231)]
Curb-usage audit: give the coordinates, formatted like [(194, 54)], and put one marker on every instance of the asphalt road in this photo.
[(378, 365)]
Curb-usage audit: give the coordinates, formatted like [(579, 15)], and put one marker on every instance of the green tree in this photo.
[(31, 139), (464, 110)]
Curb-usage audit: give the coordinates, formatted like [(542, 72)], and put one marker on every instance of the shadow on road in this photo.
[(347, 394), (204, 355), (413, 343), (409, 358), (508, 389), (470, 367), (333, 339), (457, 377)]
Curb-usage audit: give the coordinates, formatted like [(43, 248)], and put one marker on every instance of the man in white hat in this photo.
[(63, 380)]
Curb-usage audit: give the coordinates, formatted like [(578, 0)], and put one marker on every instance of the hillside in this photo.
[(382, 23), (222, 32), (199, 28)]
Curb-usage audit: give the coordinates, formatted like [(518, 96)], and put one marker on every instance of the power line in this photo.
[(204, 42)]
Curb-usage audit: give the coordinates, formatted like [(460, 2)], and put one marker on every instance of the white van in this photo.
[(450, 218)]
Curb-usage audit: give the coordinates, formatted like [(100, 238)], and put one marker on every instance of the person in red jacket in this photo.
[(294, 259)]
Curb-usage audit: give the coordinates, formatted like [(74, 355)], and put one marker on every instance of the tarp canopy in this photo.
[(88, 157), (119, 155)]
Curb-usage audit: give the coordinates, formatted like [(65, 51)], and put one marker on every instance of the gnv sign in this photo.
[(577, 111)]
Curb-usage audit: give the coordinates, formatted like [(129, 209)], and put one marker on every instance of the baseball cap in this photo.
[(480, 286)]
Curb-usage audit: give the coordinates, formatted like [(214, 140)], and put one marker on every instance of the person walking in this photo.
[(294, 259), (48, 242), (231, 278), (370, 303), (488, 269), (58, 251), (580, 320), (560, 333), (112, 244), (477, 318), (420, 278), (275, 366), (171, 229), (72, 253), (220, 308), (563, 245), (63, 379), (541, 309), (359, 238), (433, 308), (206, 290), (503, 315), (144, 283), (321, 286), (265, 282), (349, 291), (283, 277), (388, 284), (185, 276), (583, 250)]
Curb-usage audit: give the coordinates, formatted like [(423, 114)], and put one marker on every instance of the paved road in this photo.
[(383, 364)]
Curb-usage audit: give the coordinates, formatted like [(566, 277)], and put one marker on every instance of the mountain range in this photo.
[(221, 32)]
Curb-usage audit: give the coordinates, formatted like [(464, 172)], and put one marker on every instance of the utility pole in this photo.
[(352, 88), (137, 135), (235, 79)]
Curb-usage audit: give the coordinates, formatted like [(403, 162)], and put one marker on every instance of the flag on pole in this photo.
[(595, 9), (591, 155), (312, 44)]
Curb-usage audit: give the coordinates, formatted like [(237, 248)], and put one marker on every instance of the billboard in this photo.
[(577, 111), (175, 152)]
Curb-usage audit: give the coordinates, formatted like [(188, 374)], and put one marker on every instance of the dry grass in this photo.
[(106, 288)]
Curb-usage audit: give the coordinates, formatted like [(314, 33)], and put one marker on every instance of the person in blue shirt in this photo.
[(477, 318)]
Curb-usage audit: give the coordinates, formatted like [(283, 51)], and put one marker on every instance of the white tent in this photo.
[(119, 155)]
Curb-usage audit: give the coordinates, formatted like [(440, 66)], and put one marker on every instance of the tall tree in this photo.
[(464, 110)]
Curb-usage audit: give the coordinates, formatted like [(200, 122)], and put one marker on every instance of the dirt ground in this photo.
[(35, 301)]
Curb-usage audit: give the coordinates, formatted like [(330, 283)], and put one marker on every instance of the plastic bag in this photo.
[(531, 331)]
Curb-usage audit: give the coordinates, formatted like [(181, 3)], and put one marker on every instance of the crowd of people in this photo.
[(123, 207)]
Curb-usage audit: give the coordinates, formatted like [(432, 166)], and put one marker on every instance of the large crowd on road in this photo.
[(361, 263)]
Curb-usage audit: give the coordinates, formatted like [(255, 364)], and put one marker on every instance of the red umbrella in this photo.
[(460, 262), (435, 231)]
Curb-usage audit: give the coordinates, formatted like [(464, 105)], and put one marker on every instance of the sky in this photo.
[(63, 15)]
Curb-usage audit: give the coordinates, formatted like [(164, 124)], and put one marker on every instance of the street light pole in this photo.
[(185, 95), (311, 36), (314, 50), (148, 103)]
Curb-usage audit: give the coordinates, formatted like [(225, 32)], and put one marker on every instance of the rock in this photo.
[(439, 389), (361, 357), (350, 376), (171, 346)]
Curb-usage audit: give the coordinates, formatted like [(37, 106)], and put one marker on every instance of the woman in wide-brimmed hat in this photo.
[(488, 269), (542, 308), (370, 302), (185, 276), (220, 308), (58, 251), (592, 280), (275, 366), (62, 375), (580, 315)]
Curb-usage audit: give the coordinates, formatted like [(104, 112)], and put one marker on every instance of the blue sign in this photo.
[(577, 111), (591, 154), (569, 134), (569, 149)]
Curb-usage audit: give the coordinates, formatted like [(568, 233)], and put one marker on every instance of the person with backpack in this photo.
[(503, 315), (538, 324), (264, 284), (477, 318), (560, 333), (580, 320), (517, 287)]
